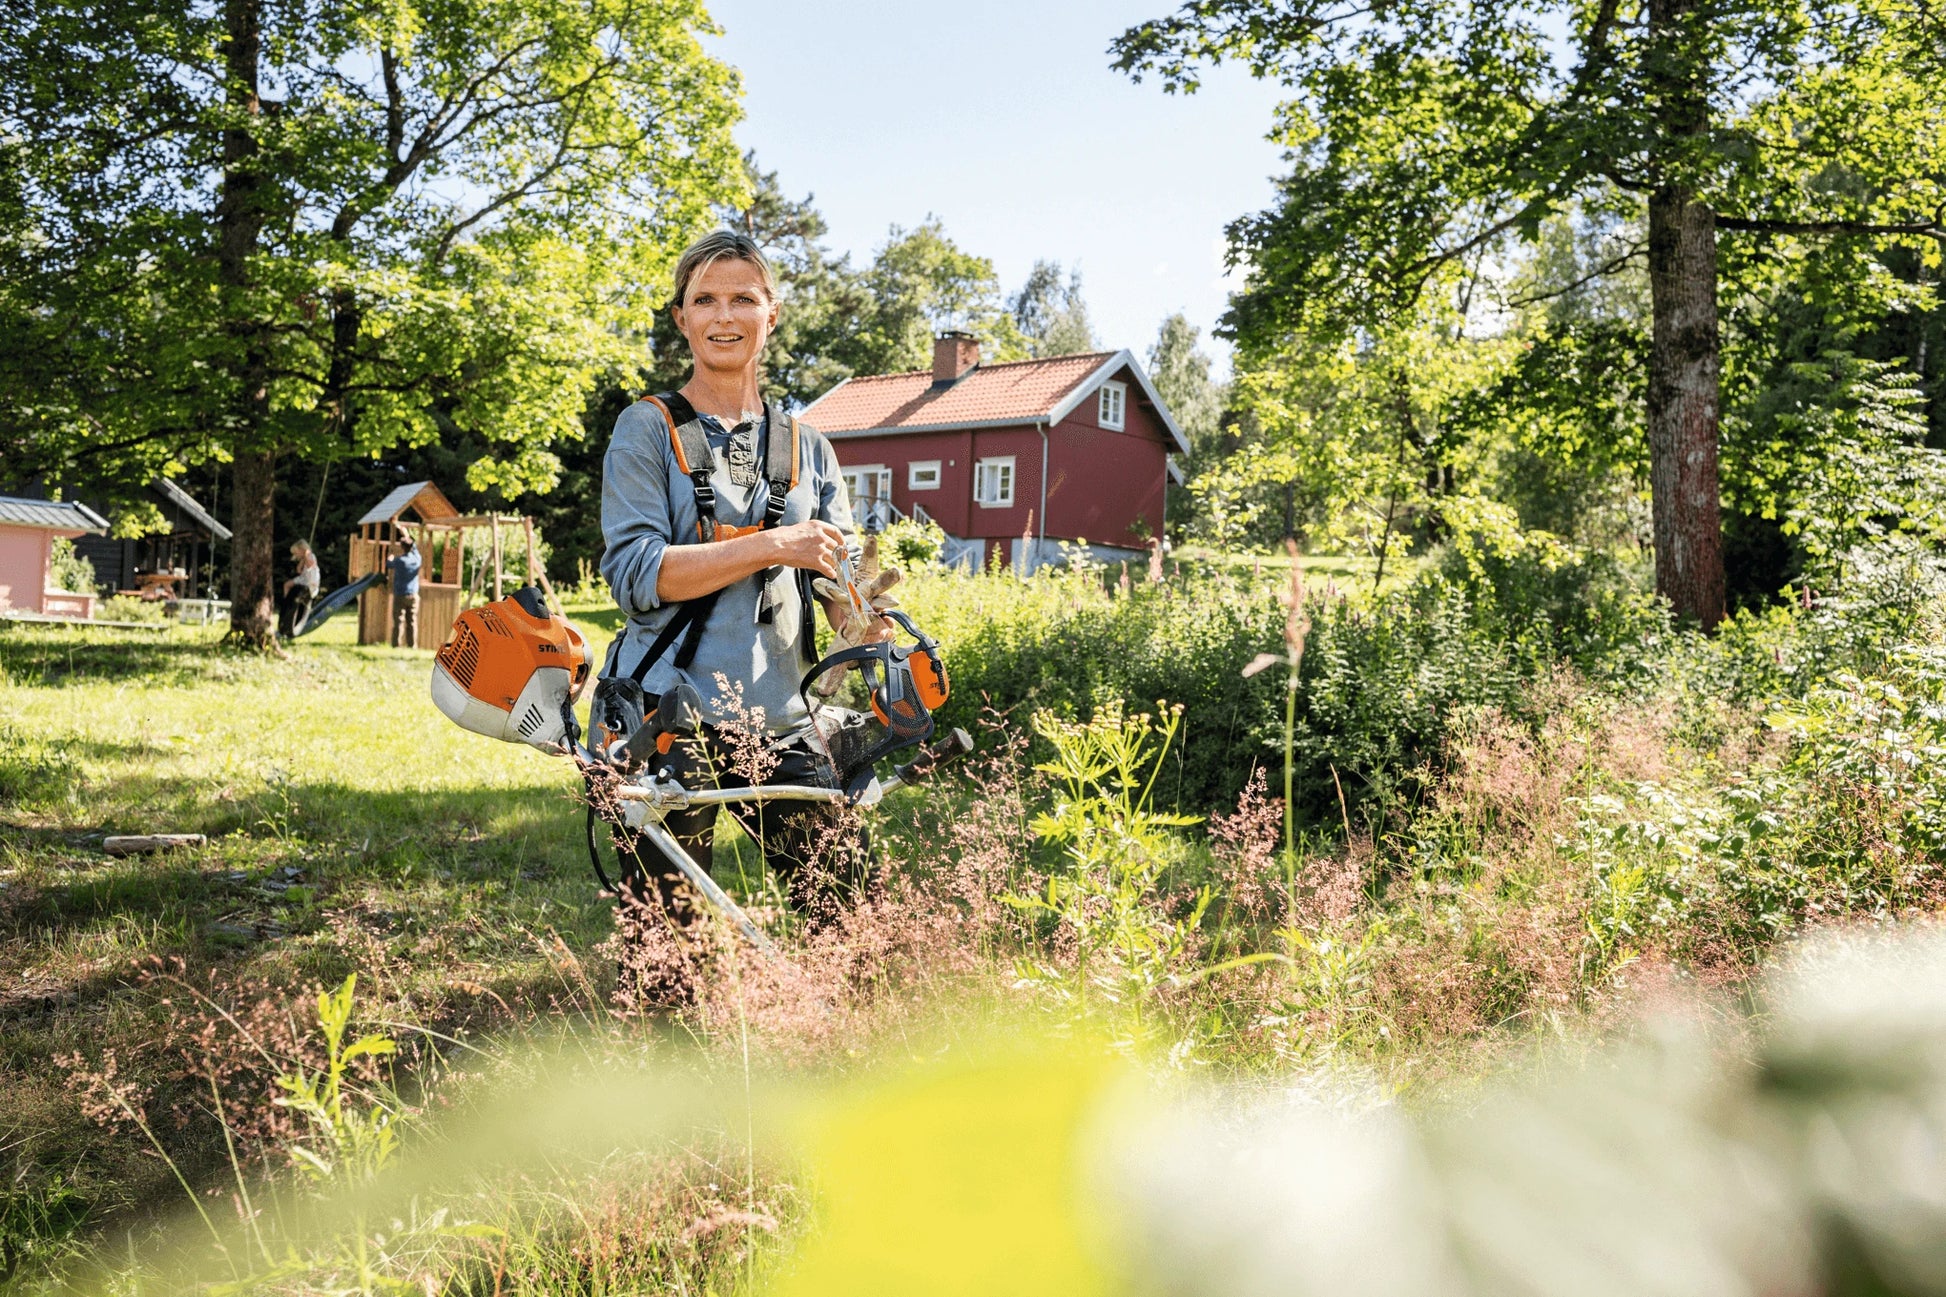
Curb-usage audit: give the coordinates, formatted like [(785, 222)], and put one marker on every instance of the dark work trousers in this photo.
[(821, 869), (405, 621)]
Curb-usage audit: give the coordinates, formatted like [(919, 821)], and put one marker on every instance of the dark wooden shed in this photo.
[(184, 546)]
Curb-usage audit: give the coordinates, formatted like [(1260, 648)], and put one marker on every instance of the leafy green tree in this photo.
[(1181, 371), (1071, 333), (1425, 134), (921, 282), (1557, 430), (260, 230), (1352, 445), (1039, 299), (1051, 313)]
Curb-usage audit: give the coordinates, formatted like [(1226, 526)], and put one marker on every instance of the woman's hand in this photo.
[(876, 631), (814, 546)]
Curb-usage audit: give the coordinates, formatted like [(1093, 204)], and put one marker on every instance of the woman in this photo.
[(713, 563), (300, 592)]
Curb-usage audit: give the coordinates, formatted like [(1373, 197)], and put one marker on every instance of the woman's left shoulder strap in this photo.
[(785, 439), (780, 459)]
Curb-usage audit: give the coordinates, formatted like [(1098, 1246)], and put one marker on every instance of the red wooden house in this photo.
[(1008, 459)]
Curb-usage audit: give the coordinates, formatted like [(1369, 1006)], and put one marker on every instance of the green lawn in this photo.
[(350, 826)]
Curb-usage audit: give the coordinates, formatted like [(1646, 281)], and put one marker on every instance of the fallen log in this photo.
[(137, 844)]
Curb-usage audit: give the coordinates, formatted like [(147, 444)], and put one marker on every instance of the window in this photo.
[(1114, 399), (922, 475), (868, 484), (870, 489), (993, 482)]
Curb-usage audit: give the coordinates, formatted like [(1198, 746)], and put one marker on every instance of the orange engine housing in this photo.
[(509, 670)]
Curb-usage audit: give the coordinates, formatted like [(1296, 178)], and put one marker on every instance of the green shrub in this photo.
[(911, 545), (1065, 642), (67, 570), (1851, 820), (1384, 679), (127, 607)]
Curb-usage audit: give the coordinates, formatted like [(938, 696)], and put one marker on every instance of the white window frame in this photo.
[(923, 475), (1001, 468), (856, 480), (1111, 406)]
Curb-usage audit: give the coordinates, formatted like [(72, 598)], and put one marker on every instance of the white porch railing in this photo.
[(875, 513)]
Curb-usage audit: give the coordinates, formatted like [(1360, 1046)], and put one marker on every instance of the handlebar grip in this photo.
[(957, 743), (680, 711)]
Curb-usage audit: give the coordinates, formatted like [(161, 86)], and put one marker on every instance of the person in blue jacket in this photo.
[(404, 567)]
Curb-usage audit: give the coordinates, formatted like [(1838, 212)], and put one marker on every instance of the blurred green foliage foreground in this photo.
[(1793, 1148)]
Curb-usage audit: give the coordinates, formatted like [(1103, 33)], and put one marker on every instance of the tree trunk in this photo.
[(240, 221), (1684, 357), (1684, 365), (253, 521)]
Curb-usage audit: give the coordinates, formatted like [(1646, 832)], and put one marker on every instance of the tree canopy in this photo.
[(262, 229), (1425, 135), (1051, 313)]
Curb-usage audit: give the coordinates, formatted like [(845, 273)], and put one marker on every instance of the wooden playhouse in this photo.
[(441, 532)]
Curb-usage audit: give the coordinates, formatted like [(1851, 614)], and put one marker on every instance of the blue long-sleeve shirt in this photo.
[(405, 573), (648, 503)]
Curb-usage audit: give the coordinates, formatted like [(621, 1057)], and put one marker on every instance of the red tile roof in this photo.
[(1019, 392)]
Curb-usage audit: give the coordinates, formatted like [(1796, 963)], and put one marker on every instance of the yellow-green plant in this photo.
[(351, 1143), (1107, 902), (67, 570)]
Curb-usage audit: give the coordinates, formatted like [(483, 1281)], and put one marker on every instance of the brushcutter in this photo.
[(512, 670)]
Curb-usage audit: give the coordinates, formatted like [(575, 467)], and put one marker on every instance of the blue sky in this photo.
[(1005, 121)]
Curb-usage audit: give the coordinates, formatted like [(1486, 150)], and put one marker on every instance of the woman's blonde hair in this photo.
[(721, 245)]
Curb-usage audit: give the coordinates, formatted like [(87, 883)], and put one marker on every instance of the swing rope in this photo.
[(312, 539)]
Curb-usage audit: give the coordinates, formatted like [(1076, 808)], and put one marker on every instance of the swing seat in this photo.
[(336, 601)]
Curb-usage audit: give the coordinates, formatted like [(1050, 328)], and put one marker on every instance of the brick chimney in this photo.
[(953, 353)]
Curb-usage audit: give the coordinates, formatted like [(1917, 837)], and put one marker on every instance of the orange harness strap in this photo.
[(679, 415)]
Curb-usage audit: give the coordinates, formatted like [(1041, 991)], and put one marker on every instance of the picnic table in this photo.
[(159, 585)]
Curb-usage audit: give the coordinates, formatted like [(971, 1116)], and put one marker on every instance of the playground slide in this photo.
[(338, 599)]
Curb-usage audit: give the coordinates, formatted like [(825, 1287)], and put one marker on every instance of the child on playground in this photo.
[(294, 603), (404, 567)]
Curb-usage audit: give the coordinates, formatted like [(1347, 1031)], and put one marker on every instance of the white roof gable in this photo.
[(1108, 369)]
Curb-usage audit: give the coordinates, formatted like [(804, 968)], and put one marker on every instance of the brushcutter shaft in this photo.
[(672, 850), (675, 797)]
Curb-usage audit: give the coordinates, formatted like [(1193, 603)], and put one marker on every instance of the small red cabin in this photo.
[(1010, 460)]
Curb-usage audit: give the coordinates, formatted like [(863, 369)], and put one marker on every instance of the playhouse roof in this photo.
[(427, 500), (64, 515)]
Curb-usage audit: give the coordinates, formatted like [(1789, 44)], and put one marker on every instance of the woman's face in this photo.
[(727, 316)]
